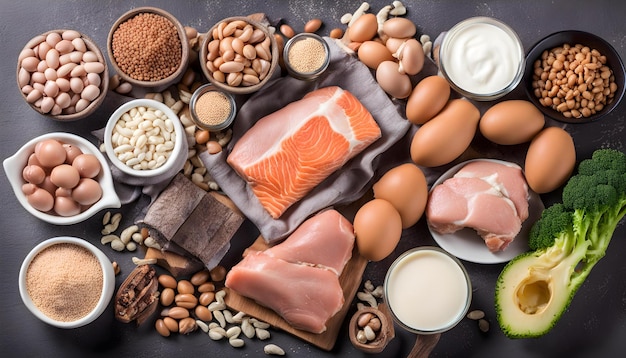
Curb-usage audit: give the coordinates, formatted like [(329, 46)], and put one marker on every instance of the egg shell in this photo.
[(446, 136), (72, 152), (66, 206), (363, 29), (87, 192), (399, 27), (412, 59), (378, 228), (396, 84), (87, 165), (372, 53), (550, 160), (406, 188), (64, 176), (511, 122), (427, 99), (41, 200), (33, 174), (50, 153)]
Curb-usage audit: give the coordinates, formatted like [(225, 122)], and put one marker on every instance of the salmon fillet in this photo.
[(289, 152)]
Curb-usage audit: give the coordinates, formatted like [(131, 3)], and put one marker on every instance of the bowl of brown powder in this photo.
[(212, 109), (66, 282), (148, 48)]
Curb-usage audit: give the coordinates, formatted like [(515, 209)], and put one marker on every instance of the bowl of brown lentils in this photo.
[(148, 48), (62, 74), (574, 76), (239, 55)]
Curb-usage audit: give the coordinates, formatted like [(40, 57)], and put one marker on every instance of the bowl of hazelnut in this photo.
[(238, 55)]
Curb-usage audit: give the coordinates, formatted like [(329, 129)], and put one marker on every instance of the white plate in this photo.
[(467, 245)]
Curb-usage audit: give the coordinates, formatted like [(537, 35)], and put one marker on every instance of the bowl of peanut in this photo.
[(574, 76), (148, 47), (62, 74), (238, 55)]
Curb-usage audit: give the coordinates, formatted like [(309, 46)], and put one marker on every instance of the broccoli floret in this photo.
[(535, 288)]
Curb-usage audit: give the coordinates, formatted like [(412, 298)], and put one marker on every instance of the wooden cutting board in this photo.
[(350, 280)]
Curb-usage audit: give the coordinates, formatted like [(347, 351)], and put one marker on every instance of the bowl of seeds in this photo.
[(574, 76), (212, 109), (66, 282), (148, 48), (238, 55)]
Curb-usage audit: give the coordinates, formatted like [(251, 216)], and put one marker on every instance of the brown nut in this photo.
[(186, 300), (137, 297), (206, 287), (171, 324), (167, 281), (177, 312), (206, 298), (200, 277), (203, 313), (167, 296), (187, 325), (184, 286), (218, 273)]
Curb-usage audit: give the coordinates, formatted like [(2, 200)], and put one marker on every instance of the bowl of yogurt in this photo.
[(482, 58), (427, 290)]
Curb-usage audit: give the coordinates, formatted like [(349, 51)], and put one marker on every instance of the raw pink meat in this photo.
[(325, 241), (299, 278), (289, 152), (305, 296), (491, 198), (507, 178)]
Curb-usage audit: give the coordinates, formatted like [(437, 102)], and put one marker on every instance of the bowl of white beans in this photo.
[(144, 139), (62, 74)]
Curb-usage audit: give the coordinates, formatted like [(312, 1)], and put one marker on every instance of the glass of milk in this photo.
[(427, 290)]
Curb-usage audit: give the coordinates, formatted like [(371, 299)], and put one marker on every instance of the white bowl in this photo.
[(108, 282), (171, 165), (14, 165)]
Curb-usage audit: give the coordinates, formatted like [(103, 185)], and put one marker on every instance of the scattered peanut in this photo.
[(273, 350)]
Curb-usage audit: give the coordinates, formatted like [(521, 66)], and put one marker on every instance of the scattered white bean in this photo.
[(273, 350)]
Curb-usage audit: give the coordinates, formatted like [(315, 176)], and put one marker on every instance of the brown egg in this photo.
[(428, 97), (33, 174), (65, 176), (87, 192), (50, 153), (87, 165), (550, 160), (66, 206), (511, 122), (446, 136), (405, 187), (72, 152), (396, 84), (40, 199), (393, 44), (363, 29), (412, 59), (399, 27), (372, 53), (378, 228)]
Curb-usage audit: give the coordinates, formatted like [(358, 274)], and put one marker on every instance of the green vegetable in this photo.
[(535, 288)]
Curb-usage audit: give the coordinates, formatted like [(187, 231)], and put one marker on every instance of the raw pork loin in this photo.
[(489, 197), (289, 152), (299, 278)]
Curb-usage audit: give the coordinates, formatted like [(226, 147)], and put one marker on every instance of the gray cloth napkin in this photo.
[(345, 185)]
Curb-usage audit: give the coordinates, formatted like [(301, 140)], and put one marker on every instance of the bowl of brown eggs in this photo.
[(62, 74), (239, 55), (61, 178)]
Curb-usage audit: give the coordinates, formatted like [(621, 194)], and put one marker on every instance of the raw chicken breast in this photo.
[(299, 278), (326, 241), (289, 152), (306, 297), (489, 197), (507, 178)]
